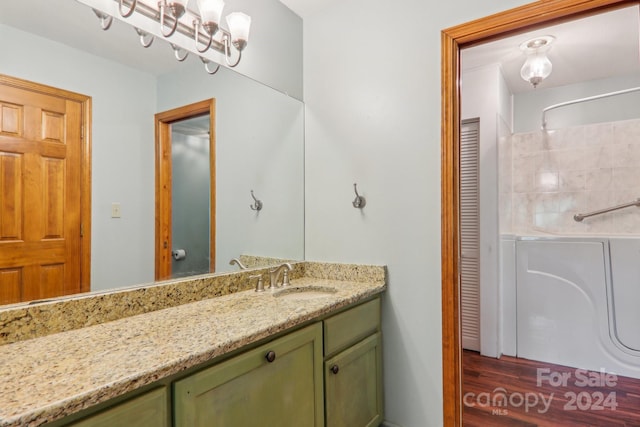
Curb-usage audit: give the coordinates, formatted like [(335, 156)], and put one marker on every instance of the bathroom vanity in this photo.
[(297, 356)]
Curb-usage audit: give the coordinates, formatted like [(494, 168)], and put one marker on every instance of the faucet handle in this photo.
[(285, 278), (259, 284)]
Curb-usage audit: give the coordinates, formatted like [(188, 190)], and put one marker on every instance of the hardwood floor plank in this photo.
[(519, 392)]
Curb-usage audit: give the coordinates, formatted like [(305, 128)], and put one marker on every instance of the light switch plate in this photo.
[(115, 210)]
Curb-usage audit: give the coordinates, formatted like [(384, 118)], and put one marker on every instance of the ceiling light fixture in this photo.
[(202, 27), (537, 67)]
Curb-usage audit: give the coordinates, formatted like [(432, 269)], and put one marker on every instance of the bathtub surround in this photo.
[(23, 322), (559, 173)]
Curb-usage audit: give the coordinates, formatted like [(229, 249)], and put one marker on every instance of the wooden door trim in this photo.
[(85, 184), (163, 122), (526, 17)]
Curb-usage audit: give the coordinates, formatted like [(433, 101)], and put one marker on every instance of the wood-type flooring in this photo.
[(517, 392)]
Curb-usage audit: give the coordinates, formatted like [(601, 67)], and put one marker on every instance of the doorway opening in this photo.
[(453, 39), (185, 191)]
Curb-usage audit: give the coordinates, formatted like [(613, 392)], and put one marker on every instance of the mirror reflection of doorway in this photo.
[(185, 191), (191, 194)]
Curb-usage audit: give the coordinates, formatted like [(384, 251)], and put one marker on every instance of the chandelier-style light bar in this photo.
[(203, 28), (537, 67)]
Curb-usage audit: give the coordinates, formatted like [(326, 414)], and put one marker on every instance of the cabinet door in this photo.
[(148, 410), (249, 390), (353, 385)]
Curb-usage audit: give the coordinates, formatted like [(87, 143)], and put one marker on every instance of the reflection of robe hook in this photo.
[(257, 205), (359, 202)]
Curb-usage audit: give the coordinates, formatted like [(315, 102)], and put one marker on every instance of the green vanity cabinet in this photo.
[(353, 368), (277, 384), (326, 374), (147, 410)]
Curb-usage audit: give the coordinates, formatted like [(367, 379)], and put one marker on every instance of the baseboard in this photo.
[(388, 424)]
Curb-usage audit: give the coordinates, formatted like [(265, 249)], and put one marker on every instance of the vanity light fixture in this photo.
[(203, 27), (537, 67)]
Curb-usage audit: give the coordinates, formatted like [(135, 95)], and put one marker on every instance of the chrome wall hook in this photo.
[(359, 202), (257, 204)]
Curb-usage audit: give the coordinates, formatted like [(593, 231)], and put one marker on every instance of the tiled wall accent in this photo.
[(559, 173)]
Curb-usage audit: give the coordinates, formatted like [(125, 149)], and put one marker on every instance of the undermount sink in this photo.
[(305, 293)]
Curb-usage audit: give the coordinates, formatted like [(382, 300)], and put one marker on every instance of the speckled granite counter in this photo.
[(47, 378)]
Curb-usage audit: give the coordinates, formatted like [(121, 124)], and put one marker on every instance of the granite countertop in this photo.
[(49, 377)]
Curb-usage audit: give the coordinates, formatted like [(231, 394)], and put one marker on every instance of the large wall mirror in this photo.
[(258, 136), (544, 286)]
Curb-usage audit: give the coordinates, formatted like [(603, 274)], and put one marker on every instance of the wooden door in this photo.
[(41, 154)]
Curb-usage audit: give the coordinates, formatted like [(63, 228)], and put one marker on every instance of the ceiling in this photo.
[(595, 47), (306, 8), (585, 49)]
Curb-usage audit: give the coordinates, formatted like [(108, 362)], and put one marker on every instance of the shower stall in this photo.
[(559, 227)]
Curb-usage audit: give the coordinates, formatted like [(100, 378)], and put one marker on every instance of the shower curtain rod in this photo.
[(589, 98)]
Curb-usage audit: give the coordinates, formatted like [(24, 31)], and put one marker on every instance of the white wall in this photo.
[(123, 101), (485, 96), (373, 117), (259, 146)]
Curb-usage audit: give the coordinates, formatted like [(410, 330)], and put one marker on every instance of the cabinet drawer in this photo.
[(148, 410), (349, 327)]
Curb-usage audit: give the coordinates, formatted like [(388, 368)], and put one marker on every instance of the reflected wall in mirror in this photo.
[(259, 136), (546, 298)]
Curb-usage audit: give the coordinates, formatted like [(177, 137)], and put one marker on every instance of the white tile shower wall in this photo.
[(559, 173)]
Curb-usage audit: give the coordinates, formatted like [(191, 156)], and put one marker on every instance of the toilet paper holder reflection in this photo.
[(179, 254)]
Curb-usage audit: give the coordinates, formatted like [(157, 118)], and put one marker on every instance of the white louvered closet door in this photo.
[(470, 234)]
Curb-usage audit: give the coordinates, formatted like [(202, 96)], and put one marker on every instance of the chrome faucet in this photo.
[(275, 273), (238, 263)]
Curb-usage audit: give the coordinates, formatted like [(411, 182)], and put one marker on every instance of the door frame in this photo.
[(527, 17), (163, 237), (85, 165)]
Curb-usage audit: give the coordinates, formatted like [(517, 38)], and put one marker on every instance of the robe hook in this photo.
[(359, 202), (257, 205)]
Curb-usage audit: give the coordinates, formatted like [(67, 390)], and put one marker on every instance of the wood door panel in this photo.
[(53, 195), (24, 97), (11, 201), (10, 285), (10, 119), (41, 166), (53, 127), (18, 145)]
